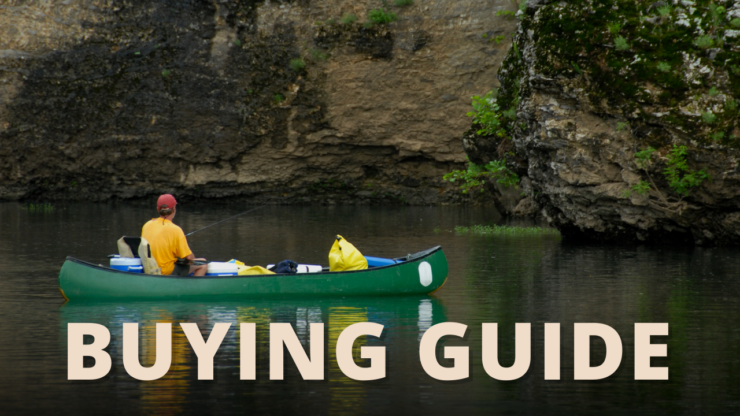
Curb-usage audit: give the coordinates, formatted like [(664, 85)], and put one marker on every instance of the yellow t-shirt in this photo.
[(167, 242)]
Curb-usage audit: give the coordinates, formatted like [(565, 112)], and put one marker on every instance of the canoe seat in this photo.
[(138, 247), (130, 248)]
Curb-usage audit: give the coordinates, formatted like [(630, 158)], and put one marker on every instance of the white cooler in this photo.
[(126, 264), (218, 268)]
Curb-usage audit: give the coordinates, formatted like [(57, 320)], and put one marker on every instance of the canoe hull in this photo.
[(422, 273)]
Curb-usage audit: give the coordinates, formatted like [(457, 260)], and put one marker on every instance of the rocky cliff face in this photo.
[(627, 123), (279, 101)]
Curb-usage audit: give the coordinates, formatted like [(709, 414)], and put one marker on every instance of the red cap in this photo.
[(166, 201)]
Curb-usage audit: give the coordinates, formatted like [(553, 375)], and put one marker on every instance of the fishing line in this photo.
[(253, 209)]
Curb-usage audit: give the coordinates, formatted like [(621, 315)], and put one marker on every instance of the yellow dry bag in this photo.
[(344, 256), (243, 269)]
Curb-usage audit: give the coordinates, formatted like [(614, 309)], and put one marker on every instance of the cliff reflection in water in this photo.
[(404, 320)]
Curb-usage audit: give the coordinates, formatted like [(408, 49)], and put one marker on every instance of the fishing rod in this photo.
[(253, 209)]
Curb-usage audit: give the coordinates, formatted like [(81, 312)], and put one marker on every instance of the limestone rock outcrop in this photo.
[(280, 101), (627, 124)]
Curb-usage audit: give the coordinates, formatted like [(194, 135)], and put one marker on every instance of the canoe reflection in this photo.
[(404, 319)]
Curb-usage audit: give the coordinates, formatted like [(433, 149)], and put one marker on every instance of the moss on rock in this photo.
[(675, 54), (594, 83)]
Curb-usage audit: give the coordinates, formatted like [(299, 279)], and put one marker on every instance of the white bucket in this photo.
[(126, 264), (217, 268)]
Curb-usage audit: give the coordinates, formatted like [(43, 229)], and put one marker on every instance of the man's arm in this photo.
[(197, 270), (192, 257), (184, 247)]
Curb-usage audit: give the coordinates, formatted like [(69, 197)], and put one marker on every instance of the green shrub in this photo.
[(402, 3), (510, 114), (237, 42), (680, 178), (718, 136), (664, 11), (165, 73), (735, 22), (664, 67), (297, 64), (621, 43), (476, 175), (704, 42), (348, 18), (641, 187), (381, 17), (716, 13), (576, 67), (486, 114), (278, 98), (713, 92), (642, 158), (505, 13), (622, 126), (614, 28), (709, 117), (731, 105), (318, 55)]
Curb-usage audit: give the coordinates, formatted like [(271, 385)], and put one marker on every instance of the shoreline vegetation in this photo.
[(39, 207), (503, 230)]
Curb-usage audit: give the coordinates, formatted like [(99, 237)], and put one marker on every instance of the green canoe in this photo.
[(420, 273)]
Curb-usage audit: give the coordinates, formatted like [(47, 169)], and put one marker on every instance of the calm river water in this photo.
[(492, 279)]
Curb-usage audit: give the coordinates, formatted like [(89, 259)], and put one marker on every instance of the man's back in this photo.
[(167, 242)]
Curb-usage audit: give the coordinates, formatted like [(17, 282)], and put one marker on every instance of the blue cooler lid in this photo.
[(125, 261)]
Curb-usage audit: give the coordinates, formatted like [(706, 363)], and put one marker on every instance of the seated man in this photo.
[(167, 241)]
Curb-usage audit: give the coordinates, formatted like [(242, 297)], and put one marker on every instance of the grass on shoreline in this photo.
[(45, 207), (505, 230)]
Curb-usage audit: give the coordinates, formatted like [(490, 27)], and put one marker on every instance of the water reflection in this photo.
[(426, 316), (492, 279), (404, 318), (346, 394)]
